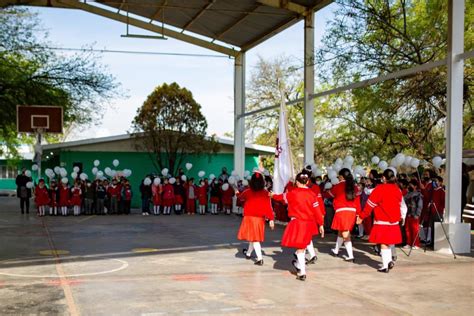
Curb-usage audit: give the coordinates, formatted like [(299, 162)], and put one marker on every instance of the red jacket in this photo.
[(438, 204), (64, 195), (168, 191), (114, 191), (41, 196), (302, 204), (227, 196), (201, 193), (315, 188), (76, 194), (339, 194), (385, 200), (257, 203)]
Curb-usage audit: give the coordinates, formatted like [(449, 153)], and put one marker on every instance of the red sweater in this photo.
[(338, 192), (315, 188), (41, 196), (385, 200), (302, 204), (439, 196), (257, 203)]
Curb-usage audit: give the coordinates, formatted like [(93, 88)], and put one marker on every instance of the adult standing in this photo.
[(23, 192), (224, 176)]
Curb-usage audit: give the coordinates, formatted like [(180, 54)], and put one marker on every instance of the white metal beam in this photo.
[(285, 4), (239, 110), (454, 117), (309, 88)]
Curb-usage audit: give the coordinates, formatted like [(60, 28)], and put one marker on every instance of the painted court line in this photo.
[(230, 309), (85, 219), (196, 311)]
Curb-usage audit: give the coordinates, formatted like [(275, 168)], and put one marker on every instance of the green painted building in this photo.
[(123, 148)]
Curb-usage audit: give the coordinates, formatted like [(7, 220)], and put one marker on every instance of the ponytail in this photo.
[(350, 183)]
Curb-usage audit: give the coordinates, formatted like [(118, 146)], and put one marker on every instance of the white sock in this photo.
[(301, 263), (386, 257), (348, 245), (428, 236), (258, 250), (310, 249), (50, 211), (339, 242), (250, 250), (361, 230)]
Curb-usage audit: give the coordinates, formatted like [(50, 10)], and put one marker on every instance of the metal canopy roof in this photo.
[(226, 26)]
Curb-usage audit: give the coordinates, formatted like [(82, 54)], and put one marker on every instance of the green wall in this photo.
[(141, 165)]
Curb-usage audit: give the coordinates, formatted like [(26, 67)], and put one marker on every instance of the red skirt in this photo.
[(385, 234), (214, 200), (252, 229), (298, 233), (344, 220), (168, 202), (156, 200), (178, 199)]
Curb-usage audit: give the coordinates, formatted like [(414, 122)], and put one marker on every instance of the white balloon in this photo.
[(245, 182), (189, 166), (113, 173), (225, 187), (29, 184), (332, 174), (234, 173), (347, 166), (339, 162), (383, 165), (375, 160), (96, 163), (328, 186), (407, 161), (63, 173), (172, 180), (57, 170), (34, 167), (437, 161), (334, 181), (108, 171), (115, 162), (183, 178), (94, 170), (414, 162), (393, 169), (266, 173), (231, 180), (127, 173), (394, 162), (212, 176), (74, 175), (400, 159), (49, 173), (164, 172), (349, 160), (156, 181), (147, 181), (317, 173), (100, 174), (83, 176), (28, 173), (64, 180), (75, 169)]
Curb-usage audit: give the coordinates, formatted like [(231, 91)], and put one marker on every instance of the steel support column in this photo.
[(239, 109), (309, 88)]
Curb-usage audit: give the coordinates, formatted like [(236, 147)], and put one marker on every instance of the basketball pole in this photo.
[(38, 150)]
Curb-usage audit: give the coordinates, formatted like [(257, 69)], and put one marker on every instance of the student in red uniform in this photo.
[(127, 195), (414, 201), (64, 195), (191, 194), (214, 196), (436, 206), (76, 198), (306, 215), (202, 197), (346, 206), (156, 191), (257, 207), (53, 197), (386, 202), (179, 194), (168, 196), (113, 191), (41, 197), (227, 193)]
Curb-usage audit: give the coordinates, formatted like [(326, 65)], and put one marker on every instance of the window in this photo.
[(7, 172)]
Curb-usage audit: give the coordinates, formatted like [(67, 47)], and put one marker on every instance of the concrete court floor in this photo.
[(191, 265)]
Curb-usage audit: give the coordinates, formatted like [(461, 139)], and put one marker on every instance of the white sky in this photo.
[(209, 79)]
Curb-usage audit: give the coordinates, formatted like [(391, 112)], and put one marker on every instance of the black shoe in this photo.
[(383, 270), (244, 251), (295, 256), (259, 263), (301, 277), (294, 265), (394, 258), (312, 260), (333, 253), (391, 264), (347, 259)]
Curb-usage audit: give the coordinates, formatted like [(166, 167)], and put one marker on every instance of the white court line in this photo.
[(122, 267), (196, 311), (230, 309), (154, 314)]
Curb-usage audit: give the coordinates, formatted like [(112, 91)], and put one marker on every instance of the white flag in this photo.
[(283, 171)]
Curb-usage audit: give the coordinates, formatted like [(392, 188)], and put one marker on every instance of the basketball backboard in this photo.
[(34, 118)]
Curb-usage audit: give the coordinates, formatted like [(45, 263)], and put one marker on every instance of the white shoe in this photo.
[(415, 247), (406, 247)]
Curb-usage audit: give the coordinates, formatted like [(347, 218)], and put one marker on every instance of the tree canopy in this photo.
[(32, 74), (170, 126)]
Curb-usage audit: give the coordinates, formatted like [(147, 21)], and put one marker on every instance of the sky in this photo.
[(209, 79)]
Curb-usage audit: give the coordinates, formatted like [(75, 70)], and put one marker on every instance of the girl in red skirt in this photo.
[(53, 198), (168, 196), (306, 215), (346, 206), (385, 201), (41, 197), (202, 197), (257, 207), (76, 198), (64, 197), (215, 196), (156, 190), (227, 193)]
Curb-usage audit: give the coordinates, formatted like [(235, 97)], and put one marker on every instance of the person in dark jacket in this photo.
[(23, 192), (145, 191)]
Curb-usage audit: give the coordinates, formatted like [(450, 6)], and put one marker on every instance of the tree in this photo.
[(170, 127), (372, 38), (32, 74)]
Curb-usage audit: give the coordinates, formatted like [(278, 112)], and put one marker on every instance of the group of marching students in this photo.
[(85, 197), (387, 207)]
